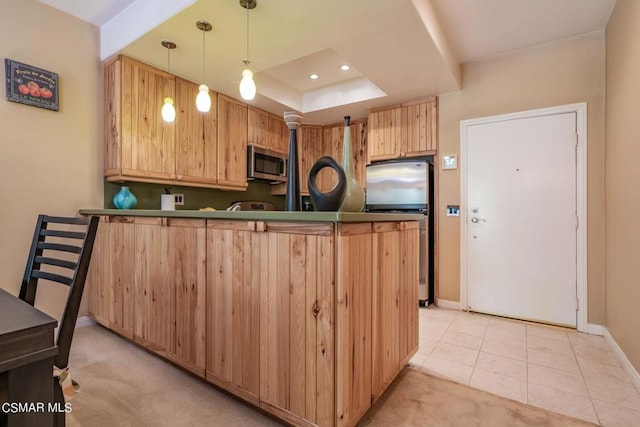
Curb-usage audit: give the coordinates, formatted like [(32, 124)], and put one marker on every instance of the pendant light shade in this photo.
[(203, 100), (247, 85), (168, 110)]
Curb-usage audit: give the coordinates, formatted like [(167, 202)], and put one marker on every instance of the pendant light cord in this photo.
[(247, 58), (203, 51)]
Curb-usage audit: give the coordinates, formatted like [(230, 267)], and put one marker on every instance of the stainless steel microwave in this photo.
[(266, 165)]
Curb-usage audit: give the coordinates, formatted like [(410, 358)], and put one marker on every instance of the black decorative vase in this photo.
[(332, 200), (293, 199)]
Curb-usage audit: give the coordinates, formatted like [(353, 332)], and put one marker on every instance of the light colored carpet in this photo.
[(123, 385)]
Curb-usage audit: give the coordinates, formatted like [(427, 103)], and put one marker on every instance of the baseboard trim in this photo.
[(84, 321), (594, 329), (449, 305), (626, 364)]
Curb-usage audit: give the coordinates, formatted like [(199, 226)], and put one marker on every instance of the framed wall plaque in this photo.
[(31, 85)]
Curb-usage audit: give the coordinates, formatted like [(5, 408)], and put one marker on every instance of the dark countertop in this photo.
[(261, 215)]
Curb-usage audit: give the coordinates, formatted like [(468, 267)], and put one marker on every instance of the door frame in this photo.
[(580, 109)]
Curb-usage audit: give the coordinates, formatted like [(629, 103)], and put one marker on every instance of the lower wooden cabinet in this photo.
[(394, 301), (170, 289), (234, 268), (311, 322), (110, 278)]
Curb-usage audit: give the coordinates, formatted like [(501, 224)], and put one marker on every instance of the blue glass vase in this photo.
[(124, 199)]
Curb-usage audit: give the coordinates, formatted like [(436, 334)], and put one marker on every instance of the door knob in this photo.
[(476, 220)]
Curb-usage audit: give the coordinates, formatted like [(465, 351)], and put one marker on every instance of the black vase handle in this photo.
[(331, 200)]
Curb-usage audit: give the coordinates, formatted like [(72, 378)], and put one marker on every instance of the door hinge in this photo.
[(577, 221), (577, 304), (577, 138)]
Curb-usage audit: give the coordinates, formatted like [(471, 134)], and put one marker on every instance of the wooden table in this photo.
[(27, 350)]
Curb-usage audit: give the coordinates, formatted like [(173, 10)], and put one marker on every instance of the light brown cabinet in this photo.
[(408, 130), (139, 145), (196, 136), (232, 143), (310, 321), (234, 268), (198, 149), (110, 276), (267, 130), (394, 301), (297, 353)]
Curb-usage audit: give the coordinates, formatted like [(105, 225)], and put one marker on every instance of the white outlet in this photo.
[(179, 199)]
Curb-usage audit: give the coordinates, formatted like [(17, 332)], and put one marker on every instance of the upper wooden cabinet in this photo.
[(232, 143), (267, 130), (196, 136), (192, 151), (408, 130), (139, 145)]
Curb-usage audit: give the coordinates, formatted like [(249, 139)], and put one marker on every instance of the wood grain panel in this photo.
[(233, 307), (196, 135), (309, 144), (232, 142), (99, 275), (353, 323), (278, 134), (325, 332), (385, 315), (408, 307), (154, 296), (258, 127), (122, 282), (188, 268)]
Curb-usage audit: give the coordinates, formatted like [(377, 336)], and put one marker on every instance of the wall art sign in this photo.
[(31, 85)]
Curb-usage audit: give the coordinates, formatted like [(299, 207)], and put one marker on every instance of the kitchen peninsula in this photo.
[(306, 315)]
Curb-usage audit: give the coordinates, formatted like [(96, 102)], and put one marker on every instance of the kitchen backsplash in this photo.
[(194, 198)]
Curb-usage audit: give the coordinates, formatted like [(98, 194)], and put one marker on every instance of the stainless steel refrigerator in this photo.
[(407, 186)]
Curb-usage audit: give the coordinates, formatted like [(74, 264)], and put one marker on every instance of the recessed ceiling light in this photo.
[(345, 67), (313, 76)]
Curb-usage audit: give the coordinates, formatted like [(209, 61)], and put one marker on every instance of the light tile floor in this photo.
[(554, 368)]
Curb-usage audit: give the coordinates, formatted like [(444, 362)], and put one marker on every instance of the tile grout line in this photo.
[(573, 351)]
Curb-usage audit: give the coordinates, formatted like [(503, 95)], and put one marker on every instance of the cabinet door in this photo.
[(187, 268), (232, 143), (355, 272), (154, 290), (258, 127), (385, 309), (122, 249), (309, 146), (110, 277), (235, 261), (278, 134), (296, 324), (99, 274), (385, 134), (419, 128), (196, 136), (147, 142), (408, 292)]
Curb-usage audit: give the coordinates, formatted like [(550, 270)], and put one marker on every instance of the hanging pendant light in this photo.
[(168, 110), (247, 85), (203, 100)]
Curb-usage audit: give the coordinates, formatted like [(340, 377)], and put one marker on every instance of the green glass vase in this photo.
[(354, 195)]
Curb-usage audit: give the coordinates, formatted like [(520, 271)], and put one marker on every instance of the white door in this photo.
[(521, 218)]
